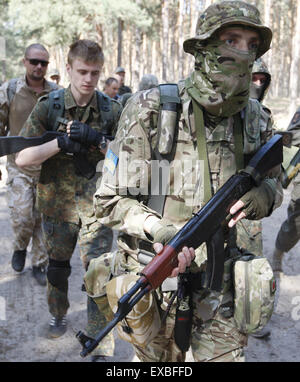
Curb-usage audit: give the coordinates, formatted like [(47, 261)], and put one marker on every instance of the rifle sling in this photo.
[(202, 148)]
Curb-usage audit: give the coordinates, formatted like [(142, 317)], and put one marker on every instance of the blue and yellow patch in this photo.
[(111, 161)]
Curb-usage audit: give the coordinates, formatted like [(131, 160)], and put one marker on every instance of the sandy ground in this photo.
[(24, 314)]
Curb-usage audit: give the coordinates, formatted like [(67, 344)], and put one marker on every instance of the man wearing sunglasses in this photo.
[(17, 99)]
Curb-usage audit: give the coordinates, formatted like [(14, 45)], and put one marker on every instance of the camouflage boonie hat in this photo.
[(225, 14), (260, 66)]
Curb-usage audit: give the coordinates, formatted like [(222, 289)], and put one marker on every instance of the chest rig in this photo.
[(57, 109)]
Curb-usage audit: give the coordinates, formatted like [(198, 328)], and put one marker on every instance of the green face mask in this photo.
[(221, 80)]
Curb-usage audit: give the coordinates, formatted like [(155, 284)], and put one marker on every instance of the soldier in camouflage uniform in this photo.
[(17, 99), (261, 80), (64, 197), (229, 38), (289, 233)]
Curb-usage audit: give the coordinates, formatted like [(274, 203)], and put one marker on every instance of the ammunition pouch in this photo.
[(254, 292)]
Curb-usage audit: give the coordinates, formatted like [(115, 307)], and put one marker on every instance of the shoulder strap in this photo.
[(169, 100), (11, 89), (56, 108), (202, 148), (238, 141), (106, 115)]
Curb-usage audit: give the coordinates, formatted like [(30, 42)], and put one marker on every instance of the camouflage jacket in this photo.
[(295, 128), (61, 193), (119, 201), (14, 112)]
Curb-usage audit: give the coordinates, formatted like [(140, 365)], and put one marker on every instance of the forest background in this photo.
[(143, 36)]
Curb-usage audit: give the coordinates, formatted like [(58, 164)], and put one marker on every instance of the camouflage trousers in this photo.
[(25, 219), (60, 239), (214, 338), (289, 233)]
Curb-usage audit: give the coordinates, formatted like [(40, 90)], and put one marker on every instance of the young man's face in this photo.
[(112, 89), (259, 79), (246, 40), (36, 64), (84, 76)]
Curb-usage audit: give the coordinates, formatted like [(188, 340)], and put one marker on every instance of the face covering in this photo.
[(257, 91), (221, 80)]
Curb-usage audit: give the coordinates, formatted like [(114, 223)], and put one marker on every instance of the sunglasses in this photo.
[(35, 62)]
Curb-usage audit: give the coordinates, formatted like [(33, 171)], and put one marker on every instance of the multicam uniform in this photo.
[(289, 233), (66, 202), (21, 184), (121, 200)]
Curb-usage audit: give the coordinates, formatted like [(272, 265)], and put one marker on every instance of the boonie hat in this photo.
[(224, 14)]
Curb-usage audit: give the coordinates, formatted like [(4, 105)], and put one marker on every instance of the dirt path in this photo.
[(24, 315)]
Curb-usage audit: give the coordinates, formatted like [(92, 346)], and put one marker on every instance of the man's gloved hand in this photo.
[(67, 145), (83, 133), (162, 233), (258, 202)]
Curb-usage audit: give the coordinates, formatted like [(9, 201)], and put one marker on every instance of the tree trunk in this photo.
[(181, 39), (294, 77), (165, 39), (120, 41)]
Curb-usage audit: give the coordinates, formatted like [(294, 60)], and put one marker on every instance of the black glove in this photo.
[(258, 202), (84, 134), (67, 145)]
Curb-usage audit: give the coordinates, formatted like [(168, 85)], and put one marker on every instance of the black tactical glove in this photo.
[(162, 232), (258, 202), (84, 134), (67, 145)]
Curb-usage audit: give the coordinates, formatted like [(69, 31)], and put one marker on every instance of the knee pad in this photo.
[(58, 273)]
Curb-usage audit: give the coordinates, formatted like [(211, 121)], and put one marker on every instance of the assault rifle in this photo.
[(14, 144), (202, 227)]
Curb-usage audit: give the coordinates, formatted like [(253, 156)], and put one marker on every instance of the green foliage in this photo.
[(57, 22)]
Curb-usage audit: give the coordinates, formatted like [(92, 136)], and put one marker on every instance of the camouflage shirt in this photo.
[(295, 128), (15, 111), (119, 201), (61, 193)]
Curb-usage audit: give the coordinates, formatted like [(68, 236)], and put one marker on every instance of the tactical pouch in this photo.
[(254, 292), (168, 117), (143, 323)]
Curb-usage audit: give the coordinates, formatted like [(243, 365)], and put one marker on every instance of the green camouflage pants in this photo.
[(60, 239), (289, 233), (26, 221)]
